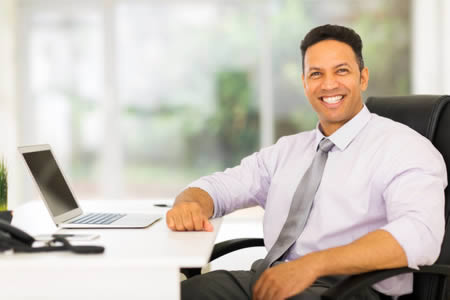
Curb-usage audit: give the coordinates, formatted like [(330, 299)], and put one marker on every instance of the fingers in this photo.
[(187, 216), (258, 291), (197, 221), (267, 288), (186, 221), (260, 287), (284, 280), (173, 221)]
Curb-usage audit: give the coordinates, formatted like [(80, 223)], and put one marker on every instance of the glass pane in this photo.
[(65, 85), (193, 78), (187, 90)]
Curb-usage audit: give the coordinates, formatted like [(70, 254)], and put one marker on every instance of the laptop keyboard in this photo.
[(98, 218)]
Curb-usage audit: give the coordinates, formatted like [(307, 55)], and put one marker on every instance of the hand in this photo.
[(191, 211), (286, 280)]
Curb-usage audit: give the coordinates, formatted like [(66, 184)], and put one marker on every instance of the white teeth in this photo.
[(332, 100)]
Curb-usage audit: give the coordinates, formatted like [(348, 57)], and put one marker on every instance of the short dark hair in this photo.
[(337, 33)]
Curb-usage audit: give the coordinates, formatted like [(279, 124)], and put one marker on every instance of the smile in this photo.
[(333, 99)]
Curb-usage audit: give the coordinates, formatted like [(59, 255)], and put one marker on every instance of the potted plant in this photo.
[(5, 214)]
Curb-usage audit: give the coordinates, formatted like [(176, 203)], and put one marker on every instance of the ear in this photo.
[(364, 80), (303, 80)]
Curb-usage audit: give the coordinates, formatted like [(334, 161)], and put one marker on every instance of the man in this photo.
[(379, 203)]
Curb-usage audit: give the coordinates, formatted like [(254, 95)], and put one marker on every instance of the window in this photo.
[(138, 98)]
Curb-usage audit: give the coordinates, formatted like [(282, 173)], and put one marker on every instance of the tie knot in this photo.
[(325, 145)]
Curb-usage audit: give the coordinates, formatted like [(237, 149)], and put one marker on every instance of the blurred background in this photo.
[(139, 98)]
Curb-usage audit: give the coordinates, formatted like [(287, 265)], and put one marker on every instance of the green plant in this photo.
[(236, 122), (3, 186)]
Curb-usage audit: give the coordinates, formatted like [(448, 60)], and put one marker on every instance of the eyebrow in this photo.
[(314, 68), (335, 67), (342, 65)]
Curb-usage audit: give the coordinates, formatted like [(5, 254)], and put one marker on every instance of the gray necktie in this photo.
[(299, 210)]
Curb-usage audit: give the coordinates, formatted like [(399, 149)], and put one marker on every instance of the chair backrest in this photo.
[(430, 116)]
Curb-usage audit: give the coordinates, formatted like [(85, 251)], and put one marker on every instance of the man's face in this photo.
[(333, 83)]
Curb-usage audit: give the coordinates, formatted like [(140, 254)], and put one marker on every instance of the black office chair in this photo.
[(430, 116)]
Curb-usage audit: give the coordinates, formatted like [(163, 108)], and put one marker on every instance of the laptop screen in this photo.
[(51, 182)]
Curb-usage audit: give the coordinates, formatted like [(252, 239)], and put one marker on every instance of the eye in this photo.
[(342, 71), (314, 74)]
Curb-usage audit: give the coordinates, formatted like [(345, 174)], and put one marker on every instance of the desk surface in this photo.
[(137, 263), (150, 246)]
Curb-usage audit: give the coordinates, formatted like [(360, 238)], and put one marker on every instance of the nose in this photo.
[(329, 82)]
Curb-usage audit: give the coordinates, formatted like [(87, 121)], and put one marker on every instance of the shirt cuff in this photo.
[(419, 246)]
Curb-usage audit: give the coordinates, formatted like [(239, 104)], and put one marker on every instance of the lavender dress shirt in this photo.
[(379, 175)]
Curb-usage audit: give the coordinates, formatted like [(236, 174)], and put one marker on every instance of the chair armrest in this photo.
[(225, 247), (229, 246), (349, 286)]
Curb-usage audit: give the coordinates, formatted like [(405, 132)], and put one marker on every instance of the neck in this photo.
[(329, 129)]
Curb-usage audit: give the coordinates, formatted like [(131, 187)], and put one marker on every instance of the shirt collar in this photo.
[(344, 135)]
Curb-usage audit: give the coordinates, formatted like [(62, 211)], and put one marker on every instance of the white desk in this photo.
[(137, 263)]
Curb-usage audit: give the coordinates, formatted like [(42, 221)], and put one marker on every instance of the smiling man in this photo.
[(358, 193), (333, 81)]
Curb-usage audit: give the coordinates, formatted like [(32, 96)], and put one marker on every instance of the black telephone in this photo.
[(12, 238)]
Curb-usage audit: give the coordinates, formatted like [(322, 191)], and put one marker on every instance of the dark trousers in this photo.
[(235, 285)]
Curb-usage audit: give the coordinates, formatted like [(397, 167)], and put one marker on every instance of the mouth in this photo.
[(332, 101)]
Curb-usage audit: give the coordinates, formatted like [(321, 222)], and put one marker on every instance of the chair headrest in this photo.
[(420, 112), (427, 114)]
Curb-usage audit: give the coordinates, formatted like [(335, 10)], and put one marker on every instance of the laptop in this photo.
[(61, 202)]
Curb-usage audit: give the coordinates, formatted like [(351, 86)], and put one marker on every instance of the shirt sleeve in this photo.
[(243, 186), (415, 200)]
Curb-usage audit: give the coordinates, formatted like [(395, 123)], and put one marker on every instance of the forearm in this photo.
[(374, 251)]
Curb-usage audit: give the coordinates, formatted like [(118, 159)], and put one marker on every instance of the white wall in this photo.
[(8, 97), (430, 47)]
